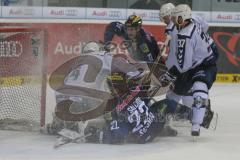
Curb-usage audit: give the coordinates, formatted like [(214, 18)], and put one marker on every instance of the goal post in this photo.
[(23, 77)]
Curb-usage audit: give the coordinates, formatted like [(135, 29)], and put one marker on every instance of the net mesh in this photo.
[(21, 78)]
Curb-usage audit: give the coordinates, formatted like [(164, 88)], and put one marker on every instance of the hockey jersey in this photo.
[(145, 47), (190, 46), (172, 30), (87, 74), (132, 120)]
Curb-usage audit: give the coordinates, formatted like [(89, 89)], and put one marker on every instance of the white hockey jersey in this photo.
[(203, 24), (201, 21), (189, 47), (94, 69), (171, 29), (77, 77)]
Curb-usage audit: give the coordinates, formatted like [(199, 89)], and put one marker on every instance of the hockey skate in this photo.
[(195, 130)]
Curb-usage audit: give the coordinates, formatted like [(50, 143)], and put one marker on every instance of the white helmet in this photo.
[(166, 10), (91, 47), (182, 10)]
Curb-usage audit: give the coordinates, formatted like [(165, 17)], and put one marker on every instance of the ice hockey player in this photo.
[(191, 63), (83, 78), (131, 119), (171, 29), (143, 45), (165, 15), (130, 115)]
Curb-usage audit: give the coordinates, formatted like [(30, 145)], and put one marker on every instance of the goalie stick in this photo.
[(68, 136)]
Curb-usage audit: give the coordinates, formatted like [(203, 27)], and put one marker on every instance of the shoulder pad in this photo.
[(188, 30)]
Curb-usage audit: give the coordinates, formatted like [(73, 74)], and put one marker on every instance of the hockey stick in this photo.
[(154, 66), (156, 62)]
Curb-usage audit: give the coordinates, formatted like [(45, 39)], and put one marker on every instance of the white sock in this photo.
[(198, 109)]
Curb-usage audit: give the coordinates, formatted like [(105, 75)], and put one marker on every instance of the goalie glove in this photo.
[(166, 79)]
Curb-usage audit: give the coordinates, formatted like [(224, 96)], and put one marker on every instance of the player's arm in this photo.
[(150, 49), (114, 28)]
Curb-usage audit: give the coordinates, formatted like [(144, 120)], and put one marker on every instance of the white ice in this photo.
[(222, 144)]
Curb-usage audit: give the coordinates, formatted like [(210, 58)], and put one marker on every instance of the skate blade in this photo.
[(195, 138)]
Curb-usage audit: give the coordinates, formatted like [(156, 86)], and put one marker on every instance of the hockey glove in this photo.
[(166, 79)]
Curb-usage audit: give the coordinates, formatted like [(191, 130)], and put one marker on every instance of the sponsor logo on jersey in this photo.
[(144, 48)]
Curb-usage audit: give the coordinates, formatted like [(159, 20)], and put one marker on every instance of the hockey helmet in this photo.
[(118, 83), (133, 21), (91, 47), (181, 13), (166, 10)]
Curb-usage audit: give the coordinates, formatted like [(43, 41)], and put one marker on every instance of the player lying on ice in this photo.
[(128, 116)]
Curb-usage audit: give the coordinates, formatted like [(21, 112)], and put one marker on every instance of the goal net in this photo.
[(22, 78)]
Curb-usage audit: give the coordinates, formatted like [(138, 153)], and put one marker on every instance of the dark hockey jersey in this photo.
[(145, 47)]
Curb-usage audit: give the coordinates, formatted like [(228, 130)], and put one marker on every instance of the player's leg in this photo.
[(187, 101), (184, 113), (113, 132), (165, 110), (172, 102), (200, 96), (171, 95), (203, 79)]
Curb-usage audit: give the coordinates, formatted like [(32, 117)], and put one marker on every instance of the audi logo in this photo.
[(71, 12), (114, 14), (10, 49)]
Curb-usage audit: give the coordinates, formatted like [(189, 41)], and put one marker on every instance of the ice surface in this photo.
[(222, 144)]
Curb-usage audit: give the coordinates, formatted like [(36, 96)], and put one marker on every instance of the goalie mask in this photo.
[(121, 83), (118, 83)]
